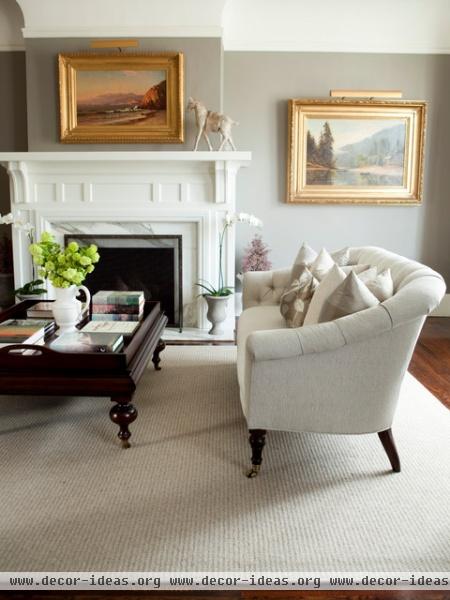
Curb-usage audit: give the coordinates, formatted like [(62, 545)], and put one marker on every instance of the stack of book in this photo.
[(88, 342), (25, 331), (118, 306)]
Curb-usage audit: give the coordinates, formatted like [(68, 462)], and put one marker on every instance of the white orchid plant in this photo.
[(34, 287), (230, 219)]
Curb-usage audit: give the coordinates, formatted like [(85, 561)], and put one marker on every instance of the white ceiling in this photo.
[(394, 26)]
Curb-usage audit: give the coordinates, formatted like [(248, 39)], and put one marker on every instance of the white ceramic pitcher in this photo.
[(67, 310)]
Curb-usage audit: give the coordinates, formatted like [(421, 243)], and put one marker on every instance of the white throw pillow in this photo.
[(306, 255), (326, 287), (382, 286), (341, 257), (351, 296), (321, 265), (368, 275), (355, 268)]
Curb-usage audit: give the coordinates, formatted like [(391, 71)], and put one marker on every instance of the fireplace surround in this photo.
[(185, 194)]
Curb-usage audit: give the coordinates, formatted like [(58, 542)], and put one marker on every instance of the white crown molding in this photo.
[(237, 45), (122, 32), (116, 18), (384, 26), (381, 26)]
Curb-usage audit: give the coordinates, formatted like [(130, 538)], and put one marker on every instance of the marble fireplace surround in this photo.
[(110, 193)]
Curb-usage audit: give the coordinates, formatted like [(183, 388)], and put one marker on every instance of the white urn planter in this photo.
[(217, 312), (67, 310)]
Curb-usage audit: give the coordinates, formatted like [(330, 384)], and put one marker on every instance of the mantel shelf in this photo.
[(116, 155)]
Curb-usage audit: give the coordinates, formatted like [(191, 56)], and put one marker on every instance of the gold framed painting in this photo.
[(123, 98), (355, 151)]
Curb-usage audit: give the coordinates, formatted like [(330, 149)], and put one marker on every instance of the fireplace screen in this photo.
[(151, 263)]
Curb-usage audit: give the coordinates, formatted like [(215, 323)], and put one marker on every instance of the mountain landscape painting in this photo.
[(357, 152), (134, 98)]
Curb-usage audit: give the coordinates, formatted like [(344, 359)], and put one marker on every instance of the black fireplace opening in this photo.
[(151, 263)]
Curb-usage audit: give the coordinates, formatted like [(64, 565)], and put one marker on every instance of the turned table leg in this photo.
[(156, 359), (122, 414)]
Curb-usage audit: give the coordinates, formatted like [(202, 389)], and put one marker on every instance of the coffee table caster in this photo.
[(156, 359), (122, 414)]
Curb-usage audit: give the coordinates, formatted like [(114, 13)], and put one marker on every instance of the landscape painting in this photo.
[(359, 152), (121, 98), (347, 151)]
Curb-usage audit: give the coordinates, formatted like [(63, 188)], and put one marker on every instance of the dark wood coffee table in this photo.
[(49, 373)]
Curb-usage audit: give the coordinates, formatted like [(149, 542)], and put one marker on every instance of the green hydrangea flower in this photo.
[(63, 266), (72, 247)]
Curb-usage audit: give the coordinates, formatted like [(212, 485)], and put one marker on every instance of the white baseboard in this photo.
[(443, 310)]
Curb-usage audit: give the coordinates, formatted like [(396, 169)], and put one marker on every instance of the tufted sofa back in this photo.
[(264, 288)]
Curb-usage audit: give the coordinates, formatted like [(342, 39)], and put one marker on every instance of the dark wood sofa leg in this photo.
[(387, 440), (257, 441)]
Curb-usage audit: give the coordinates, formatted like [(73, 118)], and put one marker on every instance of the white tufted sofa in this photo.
[(342, 376)]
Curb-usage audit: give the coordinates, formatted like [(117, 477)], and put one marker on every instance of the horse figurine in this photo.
[(208, 121)]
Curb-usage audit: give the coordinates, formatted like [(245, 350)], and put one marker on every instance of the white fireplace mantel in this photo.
[(102, 192)]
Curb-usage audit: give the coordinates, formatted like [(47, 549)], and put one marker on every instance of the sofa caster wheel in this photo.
[(253, 472)]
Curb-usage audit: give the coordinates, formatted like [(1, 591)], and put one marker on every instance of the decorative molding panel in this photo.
[(183, 193)]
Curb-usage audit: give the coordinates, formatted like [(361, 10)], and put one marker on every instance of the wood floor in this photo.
[(431, 366), (431, 360)]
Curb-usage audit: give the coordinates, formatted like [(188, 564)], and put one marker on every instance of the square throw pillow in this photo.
[(306, 255), (367, 275), (295, 302), (341, 257), (381, 286), (327, 286), (355, 268), (321, 265), (351, 296)]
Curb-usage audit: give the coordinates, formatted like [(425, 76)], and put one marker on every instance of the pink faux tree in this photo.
[(256, 256)]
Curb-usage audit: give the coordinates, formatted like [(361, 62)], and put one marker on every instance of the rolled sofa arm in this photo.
[(264, 288), (279, 344)]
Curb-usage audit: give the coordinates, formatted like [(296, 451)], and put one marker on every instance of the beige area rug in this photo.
[(72, 499)]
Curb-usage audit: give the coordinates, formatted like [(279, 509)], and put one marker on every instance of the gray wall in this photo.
[(13, 114), (202, 75), (256, 88)]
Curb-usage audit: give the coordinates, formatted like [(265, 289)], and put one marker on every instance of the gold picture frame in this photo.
[(347, 151), (121, 98)]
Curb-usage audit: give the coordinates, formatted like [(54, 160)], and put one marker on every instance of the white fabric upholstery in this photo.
[(342, 376)]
